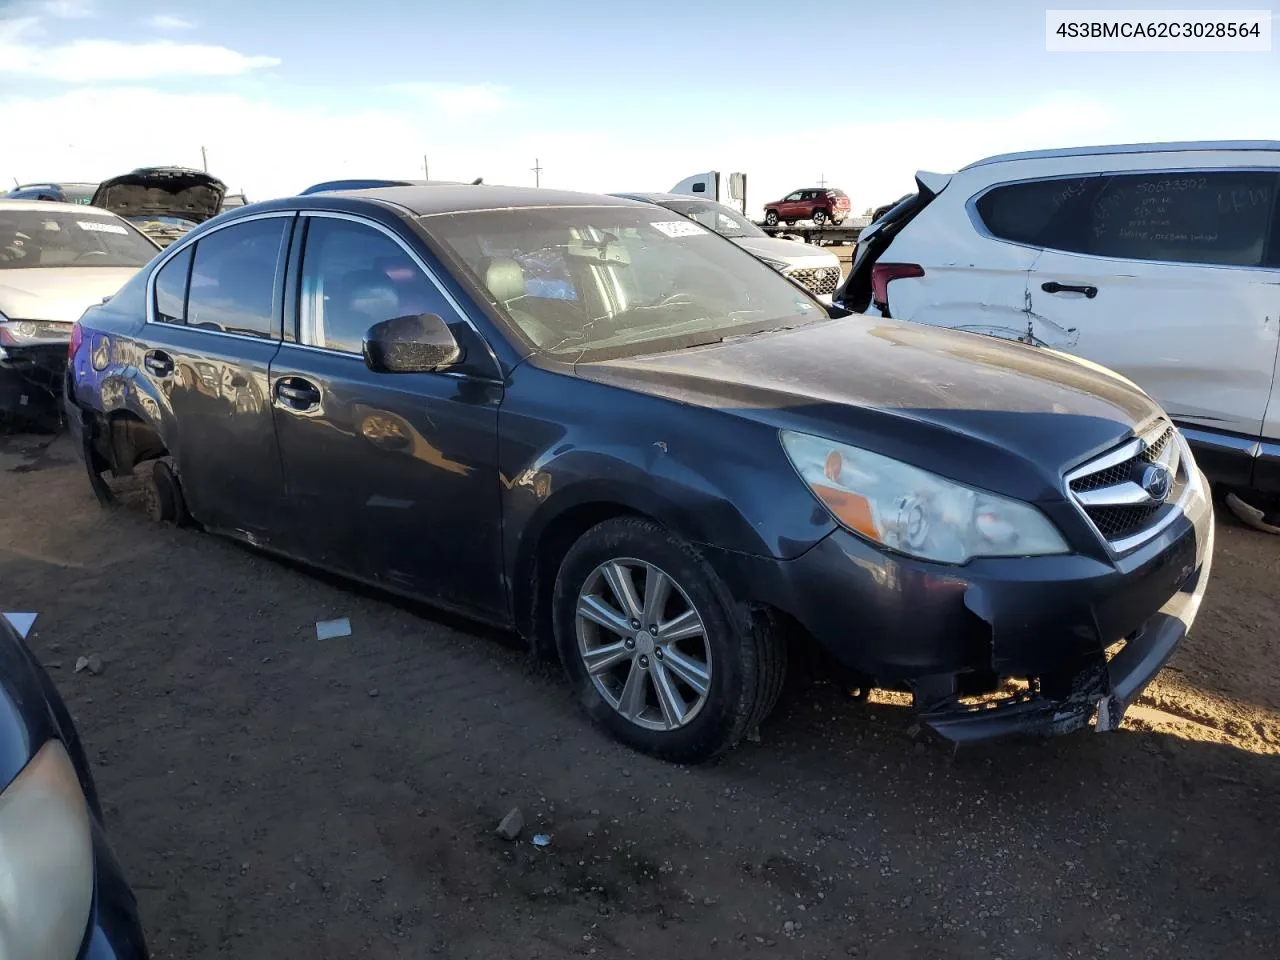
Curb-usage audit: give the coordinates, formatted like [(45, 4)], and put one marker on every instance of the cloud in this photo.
[(457, 99), (82, 61), (64, 9), (167, 21)]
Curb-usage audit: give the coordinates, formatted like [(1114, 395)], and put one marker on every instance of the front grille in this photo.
[(817, 280), (1121, 495)]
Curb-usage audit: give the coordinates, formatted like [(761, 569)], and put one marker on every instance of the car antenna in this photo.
[(477, 181)]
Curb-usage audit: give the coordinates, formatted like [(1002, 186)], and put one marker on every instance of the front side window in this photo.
[(584, 283), (795, 196), (31, 238), (233, 278), (354, 276)]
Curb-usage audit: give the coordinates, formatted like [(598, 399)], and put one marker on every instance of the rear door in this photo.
[(1172, 279), (213, 330), (393, 477)]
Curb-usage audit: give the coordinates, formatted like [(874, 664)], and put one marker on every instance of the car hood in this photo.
[(162, 192), (790, 251), (969, 407), (58, 293)]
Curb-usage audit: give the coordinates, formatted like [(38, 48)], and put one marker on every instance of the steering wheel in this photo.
[(92, 253)]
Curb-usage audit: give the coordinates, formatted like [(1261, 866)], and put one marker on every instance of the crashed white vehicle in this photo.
[(56, 260), (1160, 261), (818, 271)]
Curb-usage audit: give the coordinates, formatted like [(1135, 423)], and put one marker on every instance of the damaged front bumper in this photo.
[(1101, 691), (31, 380), (1076, 637)]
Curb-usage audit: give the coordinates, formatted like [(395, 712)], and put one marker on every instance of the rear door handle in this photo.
[(1053, 286), (297, 393), (158, 362)]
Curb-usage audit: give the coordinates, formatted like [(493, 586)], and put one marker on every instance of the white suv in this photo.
[(1161, 261)]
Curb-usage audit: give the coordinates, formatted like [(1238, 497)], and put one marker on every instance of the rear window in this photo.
[(31, 238)]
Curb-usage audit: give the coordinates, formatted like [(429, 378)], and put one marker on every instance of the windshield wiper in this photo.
[(738, 336)]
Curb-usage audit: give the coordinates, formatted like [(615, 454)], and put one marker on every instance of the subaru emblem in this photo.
[(1157, 481)]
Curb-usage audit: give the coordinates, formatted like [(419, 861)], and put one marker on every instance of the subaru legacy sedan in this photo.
[(614, 430)]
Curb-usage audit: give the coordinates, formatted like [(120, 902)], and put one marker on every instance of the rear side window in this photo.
[(1214, 217), (1218, 217), (1040, 213), (171, 289), (233, 278)]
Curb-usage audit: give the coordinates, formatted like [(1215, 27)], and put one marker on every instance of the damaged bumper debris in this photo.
[(30, 382), (999, 647)]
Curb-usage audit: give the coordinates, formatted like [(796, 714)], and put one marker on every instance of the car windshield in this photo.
[(717, 217), (594, 283), (34, 238)]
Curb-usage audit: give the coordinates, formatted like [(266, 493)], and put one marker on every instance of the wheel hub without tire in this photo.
[(644, 644)]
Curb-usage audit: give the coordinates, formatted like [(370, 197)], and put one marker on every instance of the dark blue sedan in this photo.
[(612, 429)]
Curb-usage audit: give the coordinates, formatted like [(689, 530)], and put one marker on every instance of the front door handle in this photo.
[(158, 362), (297, 393), (1053, 286)]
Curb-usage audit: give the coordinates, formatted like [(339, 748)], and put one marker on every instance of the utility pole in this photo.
[(204, 159), (426, 174), (537, 172), (822, 180)]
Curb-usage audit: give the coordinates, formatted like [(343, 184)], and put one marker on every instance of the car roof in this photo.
[(44, 206), (54, 183), (664, 197), (424, 201), (1125, 148)]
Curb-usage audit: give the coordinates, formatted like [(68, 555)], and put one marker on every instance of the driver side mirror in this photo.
[(421, 343)]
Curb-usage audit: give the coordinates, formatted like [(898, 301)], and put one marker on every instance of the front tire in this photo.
[(819, 217), (657, 651), (771, 218)]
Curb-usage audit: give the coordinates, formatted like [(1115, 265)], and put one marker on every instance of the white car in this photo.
[(56, 260), (817, 270), (1160, 261)]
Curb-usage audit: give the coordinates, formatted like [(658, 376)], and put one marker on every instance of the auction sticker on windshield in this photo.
[(97, 226), (681, 228)]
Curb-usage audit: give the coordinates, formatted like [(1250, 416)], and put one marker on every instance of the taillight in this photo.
[(882, 273), (77, 337)]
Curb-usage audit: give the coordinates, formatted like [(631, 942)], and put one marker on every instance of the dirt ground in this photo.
[(276, 796)]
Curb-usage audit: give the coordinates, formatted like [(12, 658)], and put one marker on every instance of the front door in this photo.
[(1174, 281), (394, 477), (213, 333)]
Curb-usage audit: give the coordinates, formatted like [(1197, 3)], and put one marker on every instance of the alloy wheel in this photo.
[(644, 644)]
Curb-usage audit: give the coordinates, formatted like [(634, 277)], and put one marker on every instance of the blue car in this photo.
[(600, 423), (64, 896)]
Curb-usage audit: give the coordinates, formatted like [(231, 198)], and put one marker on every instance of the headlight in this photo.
[(915, 512), (46, 860), (22, 332), (776, 264)]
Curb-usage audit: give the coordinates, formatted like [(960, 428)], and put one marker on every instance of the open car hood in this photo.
[(162, 192)]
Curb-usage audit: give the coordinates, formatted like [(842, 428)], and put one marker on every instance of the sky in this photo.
[(603, 96)]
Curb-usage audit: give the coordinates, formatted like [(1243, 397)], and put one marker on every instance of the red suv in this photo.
[(819, 204)]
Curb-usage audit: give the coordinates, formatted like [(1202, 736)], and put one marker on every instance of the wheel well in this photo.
[(129, 441), (536, 575)]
